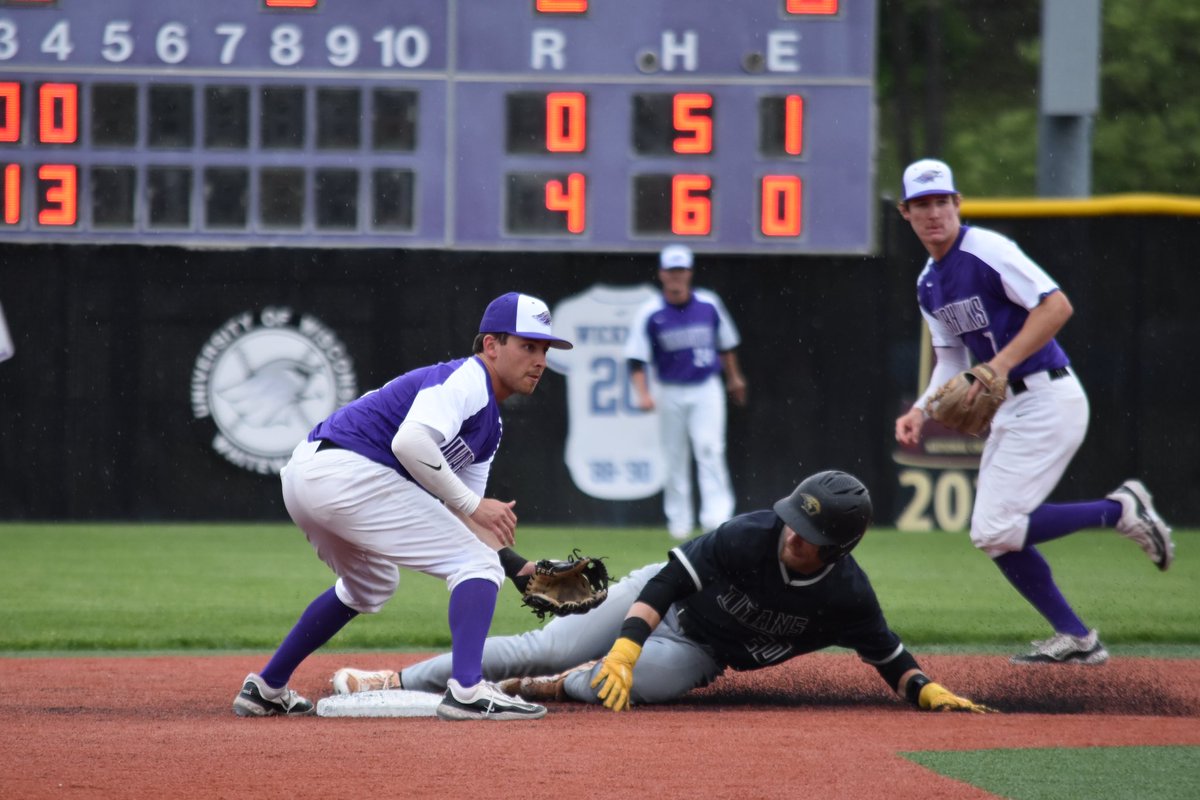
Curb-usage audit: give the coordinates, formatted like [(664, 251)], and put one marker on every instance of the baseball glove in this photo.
[(561, 588), (949, 404)]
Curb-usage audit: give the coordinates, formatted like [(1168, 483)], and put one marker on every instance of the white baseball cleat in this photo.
[(484, 701), (1062, 648), (257, 699), (348, 680), (1141, 523)]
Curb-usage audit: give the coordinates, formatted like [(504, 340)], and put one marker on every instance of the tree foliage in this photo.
[(958, 79)]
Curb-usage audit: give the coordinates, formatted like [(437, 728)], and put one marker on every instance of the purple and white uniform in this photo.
[(976, 298), (684, 343), (364, 513), (350, 487)]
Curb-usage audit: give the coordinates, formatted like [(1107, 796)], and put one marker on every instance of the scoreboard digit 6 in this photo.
[(600, 125)]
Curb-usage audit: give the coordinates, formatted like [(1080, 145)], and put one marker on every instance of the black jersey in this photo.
[(753, 613)]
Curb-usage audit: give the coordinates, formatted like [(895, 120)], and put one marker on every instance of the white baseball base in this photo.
[(385, 703)]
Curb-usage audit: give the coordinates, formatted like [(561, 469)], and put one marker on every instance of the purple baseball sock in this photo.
[(472, 604), (324, 617), (1052, 520), (1029, 573)]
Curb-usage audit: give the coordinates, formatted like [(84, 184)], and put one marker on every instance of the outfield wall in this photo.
[(102, 405)]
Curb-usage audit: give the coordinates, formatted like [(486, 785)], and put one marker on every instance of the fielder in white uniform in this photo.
[(984, 299), (691, 339), (396, 479)]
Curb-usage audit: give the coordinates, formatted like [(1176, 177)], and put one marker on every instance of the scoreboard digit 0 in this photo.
[(469, 124)]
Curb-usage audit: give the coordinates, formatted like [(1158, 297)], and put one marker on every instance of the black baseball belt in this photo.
[(1018, 386)]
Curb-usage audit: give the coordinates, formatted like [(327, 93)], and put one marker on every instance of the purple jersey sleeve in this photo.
[(980, 294), (454, 398)]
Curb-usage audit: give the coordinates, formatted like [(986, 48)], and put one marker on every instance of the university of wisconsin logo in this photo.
[(265, 381)]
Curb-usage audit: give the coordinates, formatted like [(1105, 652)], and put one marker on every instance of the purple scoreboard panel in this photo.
[(604, 125)]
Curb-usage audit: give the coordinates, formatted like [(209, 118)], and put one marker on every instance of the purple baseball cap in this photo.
[(521, 315), (928, 176)]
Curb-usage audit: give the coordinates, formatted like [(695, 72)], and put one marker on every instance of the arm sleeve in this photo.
[(893, 668), (475, 476), (416, 447), (637, 343), (673, 582), (950, 362)]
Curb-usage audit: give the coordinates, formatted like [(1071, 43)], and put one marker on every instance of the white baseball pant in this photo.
[(692, 420), (365, 521), (1034, 436)]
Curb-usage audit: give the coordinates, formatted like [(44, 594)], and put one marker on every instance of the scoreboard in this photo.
[(605, 125)]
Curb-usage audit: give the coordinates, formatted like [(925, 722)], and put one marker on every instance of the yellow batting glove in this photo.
[(935, 697), (615, 677)]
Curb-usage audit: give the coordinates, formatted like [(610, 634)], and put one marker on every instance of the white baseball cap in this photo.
[(928, 176), (521, 315), (675, 256)]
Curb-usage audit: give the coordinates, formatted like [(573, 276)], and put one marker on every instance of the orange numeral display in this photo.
[(10, 105), (781, 205), (291, 3), (698, 125), (62, 194), (572, 200), (566, 122), (793, 124), (58, 113), (562, 6), (12, 194), (691, 208), (815, 7)]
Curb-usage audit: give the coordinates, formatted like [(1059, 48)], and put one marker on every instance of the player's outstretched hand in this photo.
[(499, 518), (615, 677), (935, 697)]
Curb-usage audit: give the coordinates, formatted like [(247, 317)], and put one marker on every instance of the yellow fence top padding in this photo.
[(1104, 206)]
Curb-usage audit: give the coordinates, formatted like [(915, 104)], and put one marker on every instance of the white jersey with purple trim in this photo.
[(612, 450), (683, 342), (980, 294), (454, 398)]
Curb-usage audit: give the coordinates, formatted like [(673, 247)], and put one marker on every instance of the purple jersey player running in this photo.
[(396, 479), (691, 340), (984, 299)]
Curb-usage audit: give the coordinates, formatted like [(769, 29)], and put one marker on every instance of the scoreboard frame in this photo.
[(582, 124)]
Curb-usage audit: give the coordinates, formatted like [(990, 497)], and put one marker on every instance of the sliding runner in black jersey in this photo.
[(762, 588)]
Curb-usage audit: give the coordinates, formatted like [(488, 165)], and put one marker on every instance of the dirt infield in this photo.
[(819, 726)]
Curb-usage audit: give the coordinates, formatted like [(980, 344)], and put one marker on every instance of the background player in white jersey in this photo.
[(691, 340), (396, 479), (983, 298), (759, 590)]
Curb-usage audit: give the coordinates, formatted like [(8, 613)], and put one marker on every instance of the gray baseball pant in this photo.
[(671, 664)]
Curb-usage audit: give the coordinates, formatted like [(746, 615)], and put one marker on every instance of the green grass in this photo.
[(150, 588), (1097, 773)]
